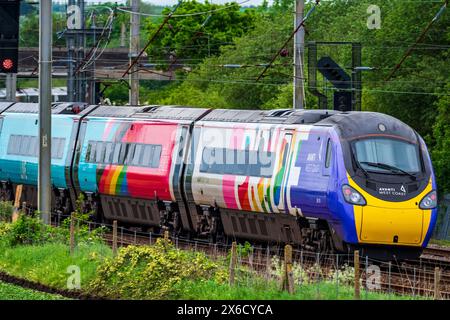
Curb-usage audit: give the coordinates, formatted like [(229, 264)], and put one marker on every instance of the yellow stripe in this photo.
[(115, 177)]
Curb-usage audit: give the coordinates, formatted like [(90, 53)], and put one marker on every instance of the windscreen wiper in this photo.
[(389, 167)]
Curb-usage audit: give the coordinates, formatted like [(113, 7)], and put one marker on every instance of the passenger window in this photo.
[(13, 144), (130, 154), (117, 147), (99, 152), (108, 152), (88, 152), (137, 155), (34, 149), (329, 154), (156, 156)]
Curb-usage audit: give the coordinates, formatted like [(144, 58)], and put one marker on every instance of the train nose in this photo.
[(391, 226)]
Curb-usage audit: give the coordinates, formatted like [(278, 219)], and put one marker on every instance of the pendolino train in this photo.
[(322, 179)]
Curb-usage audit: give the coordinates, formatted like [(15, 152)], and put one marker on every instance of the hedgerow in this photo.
[(153, 272)]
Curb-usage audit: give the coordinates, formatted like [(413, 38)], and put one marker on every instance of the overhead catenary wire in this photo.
[(183, 15), (289, 39), (419, 39), (152, 38)]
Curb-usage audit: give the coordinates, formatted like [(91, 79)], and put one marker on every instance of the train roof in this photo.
[(71, 108), (152, 112), (283, 116), (359, 123), (4, 106)]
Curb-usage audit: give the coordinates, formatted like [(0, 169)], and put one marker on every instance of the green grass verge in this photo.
[(209, 290), (444, 243), (12, 292), (47, 264)]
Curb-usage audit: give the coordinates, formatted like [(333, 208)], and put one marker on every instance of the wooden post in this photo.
[(16, 211), (114, 239), (233, 261), (356, 264), (268, 265), (437, 280), (72, 234), (288, 277), (166, 235)]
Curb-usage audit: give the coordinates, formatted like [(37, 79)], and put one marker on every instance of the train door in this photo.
[(282, 175)]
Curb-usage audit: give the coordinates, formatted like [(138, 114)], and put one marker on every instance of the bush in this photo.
[(156, 272), (6, 210)]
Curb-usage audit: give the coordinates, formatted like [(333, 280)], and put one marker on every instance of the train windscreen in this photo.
[(384, 155)]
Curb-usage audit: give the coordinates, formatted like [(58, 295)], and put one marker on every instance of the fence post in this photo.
[(337, 276), (114, 239), (16, 211), (233, 261), (437, 280), (268, 265), (356, 264), (166, 235), (72, 234), (288, 276)]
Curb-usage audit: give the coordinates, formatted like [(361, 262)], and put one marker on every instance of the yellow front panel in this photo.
[(380, 225), (379, 221)]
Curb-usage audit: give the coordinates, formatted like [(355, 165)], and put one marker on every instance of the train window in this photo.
[(108, 152), (24, 145), (137, 157), (99, 152), (237, 162), (147, 155), (130, 153), (122, 153), (117, 147), (93, 151), (58, 148), (13, 145), (34, 148), (156, 156), (88, 152), (329, 154), (29, 146)]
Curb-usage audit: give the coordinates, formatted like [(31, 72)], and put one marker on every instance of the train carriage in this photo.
[(321, 179), (129, 160), (20, 147)]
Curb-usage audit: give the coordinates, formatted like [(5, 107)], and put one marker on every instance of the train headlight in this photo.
[(352, 196), (429, 201)]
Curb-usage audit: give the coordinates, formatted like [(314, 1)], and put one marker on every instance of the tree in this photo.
[(191, 38)]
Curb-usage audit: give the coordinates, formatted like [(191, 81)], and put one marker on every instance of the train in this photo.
[(324, 180)]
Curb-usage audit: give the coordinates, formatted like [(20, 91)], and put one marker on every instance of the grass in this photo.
[(12, 292), (209, 290), (47, 264), (444, 243)]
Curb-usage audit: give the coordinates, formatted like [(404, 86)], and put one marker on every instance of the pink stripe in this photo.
[(228, 182)]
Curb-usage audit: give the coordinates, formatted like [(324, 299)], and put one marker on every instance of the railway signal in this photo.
[(9, 35)]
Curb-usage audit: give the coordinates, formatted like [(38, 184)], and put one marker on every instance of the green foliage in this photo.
[(155, 272), (6, 210), (441, 134), (29, 230), (12, 292), (197, 36), (47, 263)]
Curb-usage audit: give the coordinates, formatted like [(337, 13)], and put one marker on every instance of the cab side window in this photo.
[(329, 154)]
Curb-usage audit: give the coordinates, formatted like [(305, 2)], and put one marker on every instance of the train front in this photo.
[(387, 189)]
